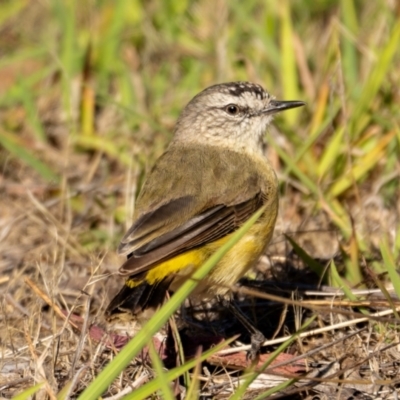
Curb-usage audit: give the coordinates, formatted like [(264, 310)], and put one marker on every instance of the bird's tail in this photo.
[(136, 300)]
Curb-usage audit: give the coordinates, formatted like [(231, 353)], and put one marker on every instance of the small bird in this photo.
[(210, 180)]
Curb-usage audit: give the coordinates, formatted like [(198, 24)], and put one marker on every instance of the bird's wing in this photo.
[(166, 229), (203, 228)]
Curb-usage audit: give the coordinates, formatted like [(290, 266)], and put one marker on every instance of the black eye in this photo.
[(232, 109)]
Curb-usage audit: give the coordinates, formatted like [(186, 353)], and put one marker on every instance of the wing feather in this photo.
[(204, 228)]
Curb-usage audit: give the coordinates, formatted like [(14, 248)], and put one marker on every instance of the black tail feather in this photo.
[(138, 299)]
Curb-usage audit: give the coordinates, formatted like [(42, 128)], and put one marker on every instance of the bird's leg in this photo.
[(257, 337)]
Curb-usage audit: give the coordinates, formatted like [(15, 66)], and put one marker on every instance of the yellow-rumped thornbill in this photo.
[(210, 180)]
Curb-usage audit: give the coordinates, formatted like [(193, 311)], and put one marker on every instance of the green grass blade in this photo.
[(65, 390), (332, 151), (70, 53), (28, 393), (10, 9), (105, 145), (307, 146), (282, 386), (374, 82), (396, 252), (108, 46), (349, 57), (390, 265), (26, 96), (288, 61), (17, 149), (161, 373), (363, 165), (340, 283), (294, 168), (194, 386), (308, 260)]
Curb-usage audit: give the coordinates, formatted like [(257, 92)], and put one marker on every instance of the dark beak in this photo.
[(276, 106)]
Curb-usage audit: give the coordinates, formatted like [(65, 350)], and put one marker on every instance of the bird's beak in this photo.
[(276, 106)]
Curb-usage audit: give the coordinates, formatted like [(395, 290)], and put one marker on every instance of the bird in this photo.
[(211, 179)]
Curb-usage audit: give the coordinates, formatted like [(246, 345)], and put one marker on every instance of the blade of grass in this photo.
[(396, 252), (338, 215), (333, 150), (306, 147), (320, 108), (161, 373), (349, 54), (374, 82), (18, 150), (311, 263), (178, 344), (87, 105), (339, 283), (9, 9), (390, 265), (381, 285), (70, 52), (193, 389), (114, 16), (26, 96), (65, 391), (363, 165), (293, 167), (353, 273), (282, 386), (13, 94), (105, 145), (288, 61), (28, 393)]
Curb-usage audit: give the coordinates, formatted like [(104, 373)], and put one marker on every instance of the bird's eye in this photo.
[(232, 109)]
